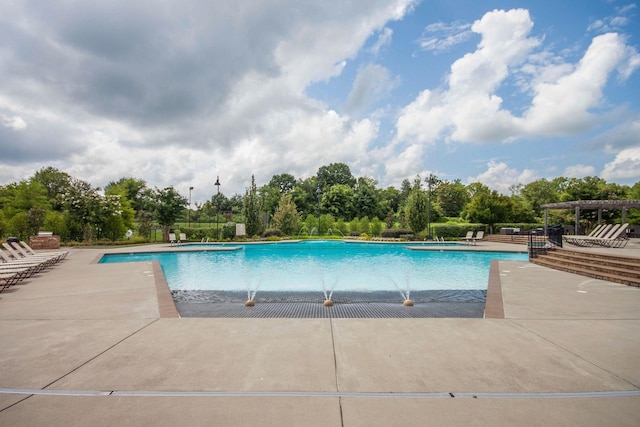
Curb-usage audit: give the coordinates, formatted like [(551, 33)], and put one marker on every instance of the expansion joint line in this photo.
[(335, 368), (557, 344)]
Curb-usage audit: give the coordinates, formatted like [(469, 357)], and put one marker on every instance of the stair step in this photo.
[(612, 267), (619, 269), (629, 265), (626, 280)]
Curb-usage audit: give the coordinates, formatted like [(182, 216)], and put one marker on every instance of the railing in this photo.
[(537, 245)]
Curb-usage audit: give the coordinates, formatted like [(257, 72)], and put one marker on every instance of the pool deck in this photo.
[(100, 345)]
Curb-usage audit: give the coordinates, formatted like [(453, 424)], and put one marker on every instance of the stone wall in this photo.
[(44, 242)]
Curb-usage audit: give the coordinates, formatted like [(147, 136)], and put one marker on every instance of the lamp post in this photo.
[(217, 184), (319, 193), (189, 212), (430, 181)]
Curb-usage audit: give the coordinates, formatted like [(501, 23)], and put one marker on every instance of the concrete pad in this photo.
[(108, 411), (37, 353), (7, 399), (216, 354), (584, 412), (458, 355), (534, 292), (613, 345)]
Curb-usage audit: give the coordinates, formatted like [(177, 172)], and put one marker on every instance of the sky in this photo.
[(180, 92)]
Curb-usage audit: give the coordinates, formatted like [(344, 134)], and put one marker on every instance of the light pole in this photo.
[(217, 184), (189, 213), (430, 181), (319, 193)]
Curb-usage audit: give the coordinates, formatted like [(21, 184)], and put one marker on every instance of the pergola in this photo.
[(600, 205)]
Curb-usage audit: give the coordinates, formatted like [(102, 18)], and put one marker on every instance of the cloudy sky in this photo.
[(178, 92)]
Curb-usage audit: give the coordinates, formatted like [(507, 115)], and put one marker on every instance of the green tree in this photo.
[(337, 200), (365, 197), (334, 174), (540, 192), (286, 217), (55, 184), (284, 183), (252, 209), (376, 226), (452, 197), (488, 206), (131, 188), (169, 205), (416, 210), (304, 195)]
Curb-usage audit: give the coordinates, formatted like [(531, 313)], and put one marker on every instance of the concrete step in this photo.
[(605, 267)]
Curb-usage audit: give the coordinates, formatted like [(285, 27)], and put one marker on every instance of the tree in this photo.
[(540, 192), (333, 174), (286, 217), (488, 206), (131, 188), (251, 210), (304, 195), (337, 200), (169, 205), (416, 208), (452, 197), (365, 197), (55, 184), (285, 183)]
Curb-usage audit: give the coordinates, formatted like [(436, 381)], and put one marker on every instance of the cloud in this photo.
[(565, 99), (616, 22), (579, 171), (110, 89), (440, 37), (500, 177), (371, 84), (384, 40), (626, 165)]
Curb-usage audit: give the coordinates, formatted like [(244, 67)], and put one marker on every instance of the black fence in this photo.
[(539, 242)]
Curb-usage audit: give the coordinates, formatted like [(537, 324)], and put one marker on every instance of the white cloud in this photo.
[(441, 37), (566, 99), (626, 165), (372, 83), (579, 171), (384, 40), (500, 177), (15, 123)]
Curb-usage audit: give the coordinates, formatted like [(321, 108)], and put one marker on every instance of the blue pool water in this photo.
[(311, 266)]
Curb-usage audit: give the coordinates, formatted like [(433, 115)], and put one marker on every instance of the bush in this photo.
[(270, 232), (395, 233), (456, 231), (273, 239)]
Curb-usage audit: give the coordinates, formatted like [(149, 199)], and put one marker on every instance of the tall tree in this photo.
[(452, 197), (169, 205), (55, 184), (335, 173), (416, 208), (365, 198), (286, 217), (337, 200), (284, 182), (131, 188), (488, 206), (252, 209)]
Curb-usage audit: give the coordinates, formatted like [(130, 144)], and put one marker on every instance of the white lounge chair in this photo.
[(183, 238), (479, 236), (469, 237), (172, 239)]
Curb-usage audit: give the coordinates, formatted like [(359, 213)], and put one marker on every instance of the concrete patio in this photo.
[(99, 344)]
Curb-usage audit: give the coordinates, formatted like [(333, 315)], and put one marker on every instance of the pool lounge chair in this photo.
[(479, 236), (45, 259), (613, 237), (183, 238), (172, 239), (31, 251), (468, 238)]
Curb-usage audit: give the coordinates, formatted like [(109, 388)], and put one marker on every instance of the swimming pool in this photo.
[(314, 266)]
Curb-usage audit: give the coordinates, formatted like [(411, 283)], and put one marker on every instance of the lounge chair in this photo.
[(30, 251), (45, 259), (610, 237), (469, 237), (183, 238), (172, 239), (479, 236)]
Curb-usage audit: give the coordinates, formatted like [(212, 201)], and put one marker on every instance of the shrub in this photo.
[(396, 232), (270, 232)]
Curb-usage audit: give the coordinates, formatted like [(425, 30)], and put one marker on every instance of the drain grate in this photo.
[(317, 310)]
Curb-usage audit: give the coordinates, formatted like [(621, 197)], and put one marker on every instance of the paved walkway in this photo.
[(95, 344)]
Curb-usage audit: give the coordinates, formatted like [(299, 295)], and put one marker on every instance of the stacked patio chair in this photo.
[(611, 236), (18, 262)]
